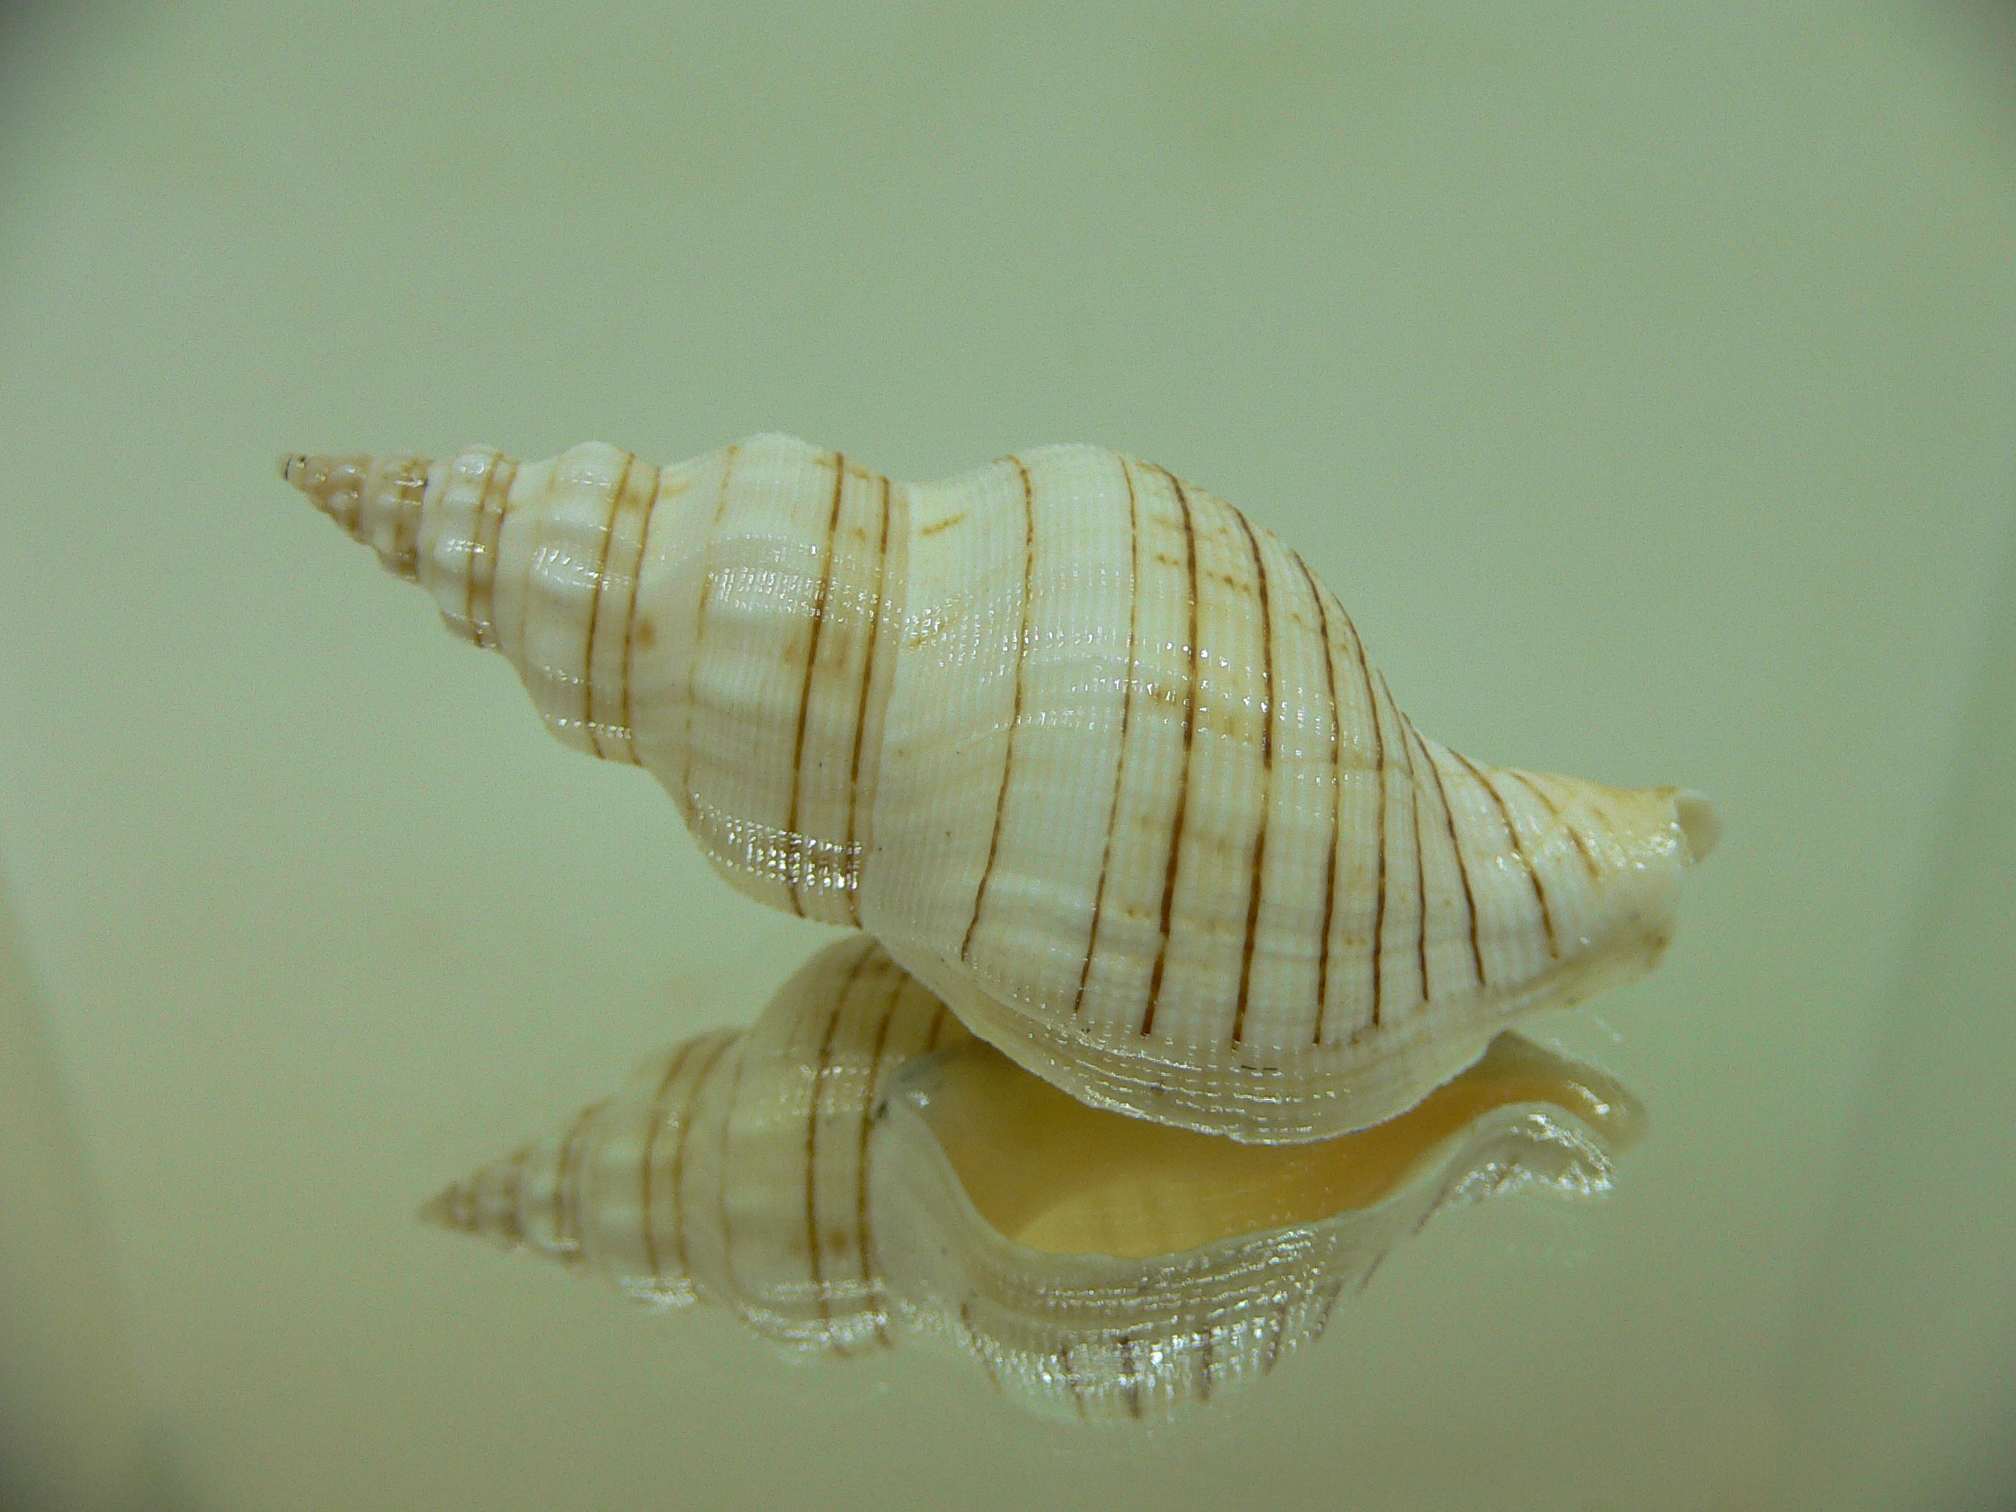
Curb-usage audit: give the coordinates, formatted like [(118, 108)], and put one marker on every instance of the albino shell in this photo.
[(1095, 757), (1096, 1266)]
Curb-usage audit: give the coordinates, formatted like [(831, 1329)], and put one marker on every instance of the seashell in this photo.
[(733, 1167), (1095, 1265), (1095, 757)]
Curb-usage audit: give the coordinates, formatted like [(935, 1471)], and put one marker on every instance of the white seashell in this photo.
[(733, 1167), (1093, 756), (1095, 1265)]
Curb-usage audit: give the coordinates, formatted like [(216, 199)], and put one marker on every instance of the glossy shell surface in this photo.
[(731, 1168), (854, 1169), (1095, 757)]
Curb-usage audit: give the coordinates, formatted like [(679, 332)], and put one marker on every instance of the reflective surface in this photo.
[(1671, 356), (856, 1170)]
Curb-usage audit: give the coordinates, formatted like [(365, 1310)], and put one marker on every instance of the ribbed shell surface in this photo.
[(1150, 820), (1093, 755), (1133, 1270), (723, 623), (733, 1168)]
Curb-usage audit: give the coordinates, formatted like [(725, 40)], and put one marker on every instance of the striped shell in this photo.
[(1094, 1266), (733, 1168), (1095, 757)]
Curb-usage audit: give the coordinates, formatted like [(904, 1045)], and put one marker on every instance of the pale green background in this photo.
[(1639, 376)]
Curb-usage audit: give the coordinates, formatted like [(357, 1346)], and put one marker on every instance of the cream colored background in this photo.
[(1639, 376)]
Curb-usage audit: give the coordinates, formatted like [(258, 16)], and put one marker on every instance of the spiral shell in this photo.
[(1096, 758), (733, 1167), (855, 1170)]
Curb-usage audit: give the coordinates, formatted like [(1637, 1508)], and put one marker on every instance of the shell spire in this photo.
[(1095, 757), (731, 1168), (726, 623), (376, 501)]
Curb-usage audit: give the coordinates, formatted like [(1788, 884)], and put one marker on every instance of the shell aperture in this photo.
[(854, 1170), (1096, 758)]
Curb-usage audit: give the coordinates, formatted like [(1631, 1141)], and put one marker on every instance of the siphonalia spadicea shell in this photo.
[(1095, 757), (854, 1170)]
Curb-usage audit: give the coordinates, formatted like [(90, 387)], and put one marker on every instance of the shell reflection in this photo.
[(732, 1168), (855, 1167)]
